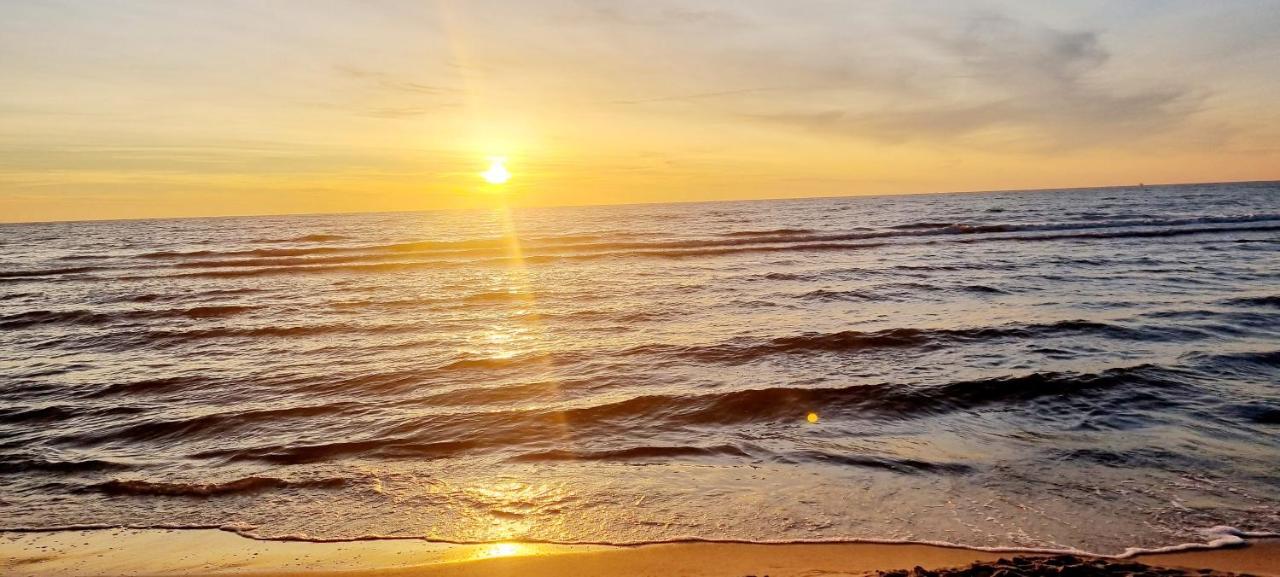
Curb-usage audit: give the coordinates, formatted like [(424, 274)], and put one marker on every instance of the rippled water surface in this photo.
[(1094, 369)]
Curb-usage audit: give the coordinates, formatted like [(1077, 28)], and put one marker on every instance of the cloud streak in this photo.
[(1005, 83)]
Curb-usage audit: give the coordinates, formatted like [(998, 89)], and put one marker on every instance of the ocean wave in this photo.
[(120, 340), (897, 292), (1272, 301), (493, 243), (273, 252), (747, 350), (848, 295), (961, 230), (1258, 413), (725, 244), (204, 426), (770, 232), (305, 238), (88, 317), (501, 392), (643, 453), (502, 362), (355, 258), (787, 276), (1246, 364), (22, 274), (1131, 457), (882, 400), (148, 386), (389, 304), (480, 431), (50, 413), (897, 465), (18, 465), (616, 316), (1157, 233), (384, 263), (19, 414), (351, 268), (386, 448), (919, 225), (498, 296), (984, 289), (403, 260), (134, 487), (182, 296)]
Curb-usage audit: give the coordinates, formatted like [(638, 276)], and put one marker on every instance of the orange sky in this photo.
[(133, 109)]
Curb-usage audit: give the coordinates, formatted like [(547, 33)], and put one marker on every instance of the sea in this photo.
[(1092, 370)]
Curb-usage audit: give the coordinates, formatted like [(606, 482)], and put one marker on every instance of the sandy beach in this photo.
[(211, 552)]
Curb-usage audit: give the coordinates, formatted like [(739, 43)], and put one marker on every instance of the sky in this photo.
[(135, 109)]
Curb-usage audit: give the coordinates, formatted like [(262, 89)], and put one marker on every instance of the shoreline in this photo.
[(156, 552), (1218, 537)]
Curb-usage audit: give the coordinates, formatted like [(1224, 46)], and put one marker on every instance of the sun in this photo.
[(497, 173)]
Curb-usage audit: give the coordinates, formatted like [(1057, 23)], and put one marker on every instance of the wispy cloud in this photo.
[(389, 82), (652, 13), (396, 97), (1015, 83), (700, 95), (407, 111)]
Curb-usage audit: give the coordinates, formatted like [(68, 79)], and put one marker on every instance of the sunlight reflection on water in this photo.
[(994, 369)]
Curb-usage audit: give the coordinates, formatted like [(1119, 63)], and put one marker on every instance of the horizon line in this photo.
[(552, 206)]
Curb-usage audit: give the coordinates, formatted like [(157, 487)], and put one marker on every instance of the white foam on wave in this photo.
[(1218, 536)]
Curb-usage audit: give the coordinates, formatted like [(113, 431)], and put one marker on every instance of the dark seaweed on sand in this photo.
[(1058, 566)]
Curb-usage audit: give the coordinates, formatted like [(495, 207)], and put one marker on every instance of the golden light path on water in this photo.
[(593, 375), (514, 506)]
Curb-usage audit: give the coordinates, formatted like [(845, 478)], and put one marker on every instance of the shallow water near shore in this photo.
[(1079, 370), (152, 552)]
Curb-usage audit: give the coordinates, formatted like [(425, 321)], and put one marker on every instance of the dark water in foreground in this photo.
[(1072, 369)]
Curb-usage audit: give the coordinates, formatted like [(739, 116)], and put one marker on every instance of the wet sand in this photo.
[(211, 552)]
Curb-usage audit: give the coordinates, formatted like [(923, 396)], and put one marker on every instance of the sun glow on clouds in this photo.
[(642, 102)]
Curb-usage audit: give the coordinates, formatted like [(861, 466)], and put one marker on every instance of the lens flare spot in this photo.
[(812, 417)]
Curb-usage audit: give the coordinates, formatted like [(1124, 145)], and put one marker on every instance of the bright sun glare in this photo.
[(505, 550), (497, 173)]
